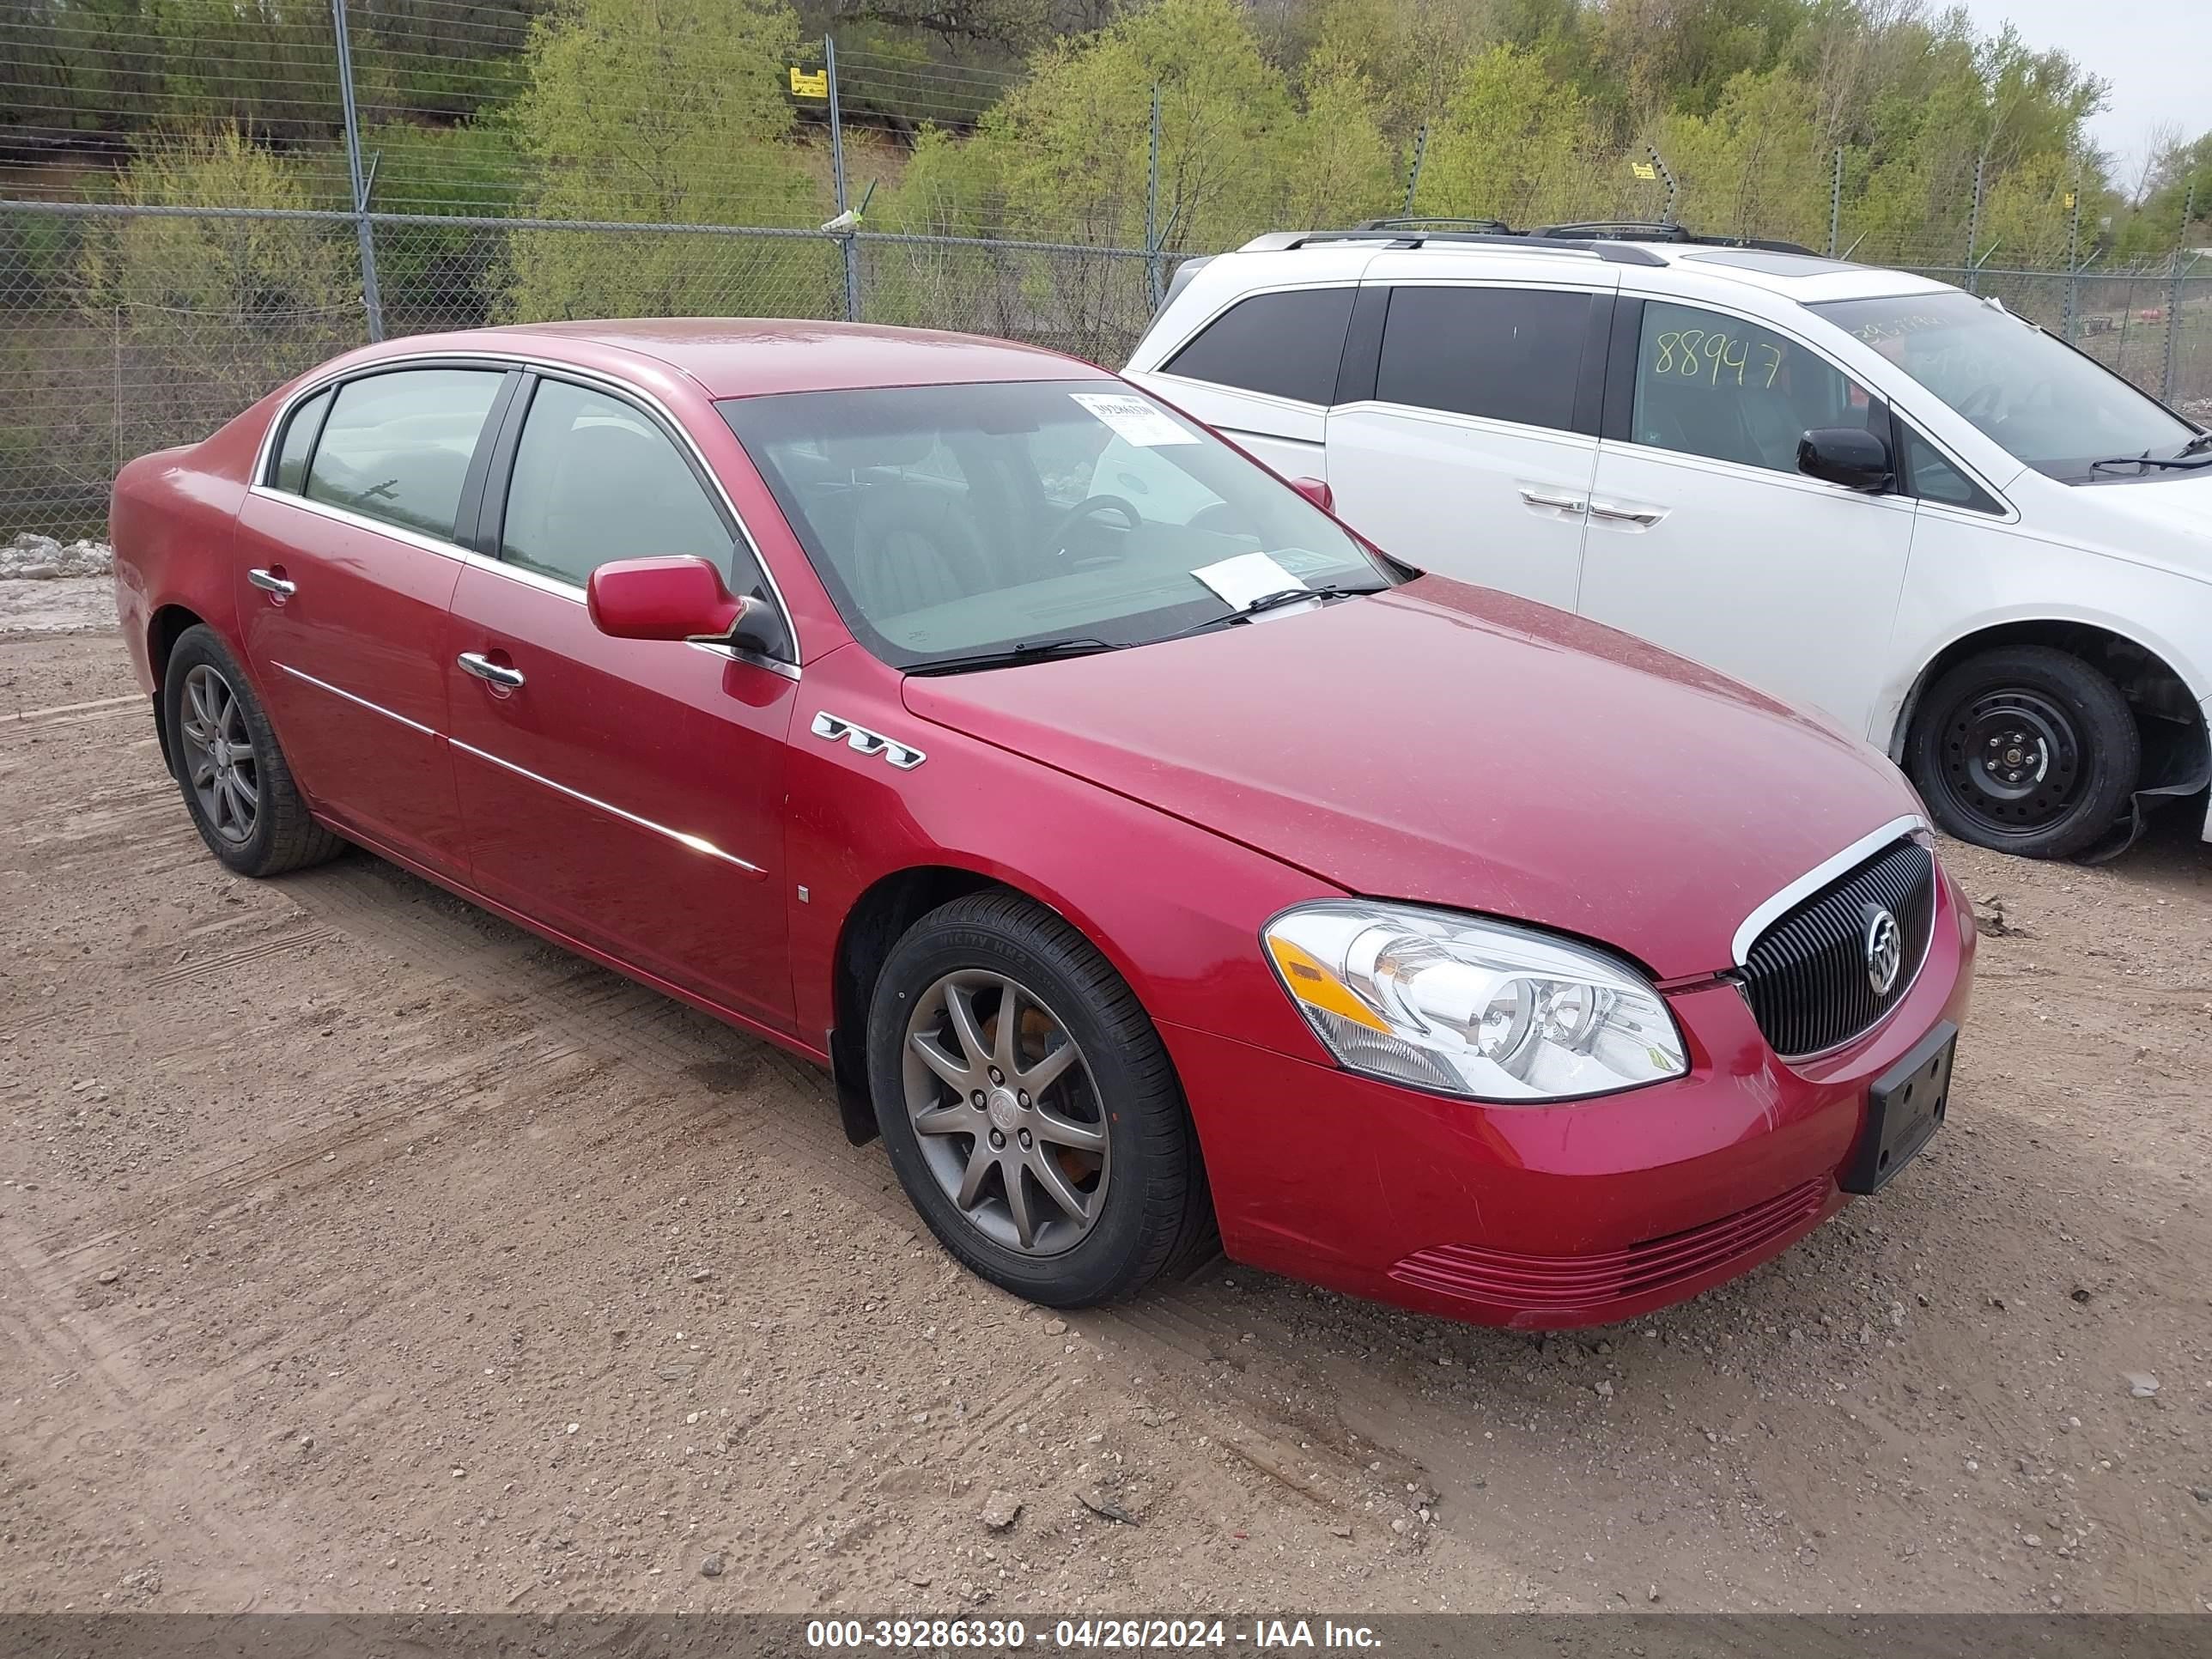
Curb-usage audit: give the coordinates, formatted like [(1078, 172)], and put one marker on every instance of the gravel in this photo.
[(42, 559)]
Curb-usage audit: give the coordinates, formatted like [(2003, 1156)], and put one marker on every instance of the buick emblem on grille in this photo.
[(1885, 950)]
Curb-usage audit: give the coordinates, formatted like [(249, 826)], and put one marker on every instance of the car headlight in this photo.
[(1468, 1007)]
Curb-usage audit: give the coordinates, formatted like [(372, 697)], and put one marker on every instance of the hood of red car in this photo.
[(1458, 746)]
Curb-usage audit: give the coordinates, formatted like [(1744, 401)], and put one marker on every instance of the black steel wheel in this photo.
[(2026, 750)]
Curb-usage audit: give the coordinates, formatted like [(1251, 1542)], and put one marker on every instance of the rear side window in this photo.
[(299, 439), (1283, 344), (1504, 353), (397, 446)]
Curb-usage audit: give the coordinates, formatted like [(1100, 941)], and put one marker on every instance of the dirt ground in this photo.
[(358, 1251)]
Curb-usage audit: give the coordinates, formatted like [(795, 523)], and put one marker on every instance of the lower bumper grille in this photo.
[(1589, 1283)]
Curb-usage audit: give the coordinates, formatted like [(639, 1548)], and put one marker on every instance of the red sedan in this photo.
[(1144, 853)]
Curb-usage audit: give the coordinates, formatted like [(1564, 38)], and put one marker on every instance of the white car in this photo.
[(1860, 489)]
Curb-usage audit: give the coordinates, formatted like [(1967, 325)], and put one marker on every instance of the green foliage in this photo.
[(663, 111), (1509, 145)]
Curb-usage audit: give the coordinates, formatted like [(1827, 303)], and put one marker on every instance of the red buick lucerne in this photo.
[(1145, 855)]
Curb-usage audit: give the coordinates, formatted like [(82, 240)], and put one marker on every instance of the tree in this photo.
[(665, 112)]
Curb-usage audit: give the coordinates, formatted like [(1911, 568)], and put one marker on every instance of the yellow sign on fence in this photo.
[(1644, 169), (803, 85)]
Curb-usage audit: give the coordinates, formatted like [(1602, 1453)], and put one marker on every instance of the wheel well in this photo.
[(871, 928), (162, 632), (2167, 711)]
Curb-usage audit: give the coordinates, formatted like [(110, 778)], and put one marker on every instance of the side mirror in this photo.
[(1316, 492), (672, 599), (1847, 455)]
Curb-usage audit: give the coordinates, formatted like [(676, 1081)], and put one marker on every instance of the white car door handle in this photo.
[(1563, 503), (485, 669), (1635, 515), (269, 582)]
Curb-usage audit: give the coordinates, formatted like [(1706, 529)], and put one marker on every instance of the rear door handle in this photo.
[(1645, 516), (1563, 504), (270, 582), (485, 669)]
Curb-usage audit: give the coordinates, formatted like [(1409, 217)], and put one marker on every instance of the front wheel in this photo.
[(1029, 1107), (2026, 750)]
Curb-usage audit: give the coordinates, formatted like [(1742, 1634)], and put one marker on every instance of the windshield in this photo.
[(2048, 406), (949, 521)]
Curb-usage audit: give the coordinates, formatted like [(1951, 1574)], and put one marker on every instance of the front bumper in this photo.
[(1550, 1217)]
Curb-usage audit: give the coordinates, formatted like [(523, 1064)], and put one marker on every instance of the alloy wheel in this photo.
[(1005, 1112), (219, 759)]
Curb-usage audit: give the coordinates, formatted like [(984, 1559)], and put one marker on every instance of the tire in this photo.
[(2026, 750), (256, 823), (1149, 1204)]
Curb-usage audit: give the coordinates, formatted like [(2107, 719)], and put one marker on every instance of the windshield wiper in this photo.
[(1010, 656), (2202, 441), (1280, 597), (2187, 461)]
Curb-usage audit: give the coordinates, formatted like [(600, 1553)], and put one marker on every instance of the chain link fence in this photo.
[(160, 268)]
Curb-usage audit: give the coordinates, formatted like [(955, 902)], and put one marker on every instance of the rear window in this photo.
[(1507, 354), (1283, 344)]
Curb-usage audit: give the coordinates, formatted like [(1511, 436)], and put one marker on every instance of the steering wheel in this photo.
[(1089, 506), (1981, 401)]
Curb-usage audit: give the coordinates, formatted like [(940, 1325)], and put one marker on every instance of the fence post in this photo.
[(372, 299), (2172, 365), (1667, 212), (848, 246), (1974, 226), (1836, 204), (1414, 177), (1153, 207), (2073, 266)]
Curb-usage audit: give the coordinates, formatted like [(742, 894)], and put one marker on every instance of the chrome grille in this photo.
[(1806, 976)]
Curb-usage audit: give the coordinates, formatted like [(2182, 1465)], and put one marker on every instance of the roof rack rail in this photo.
[(1637, 230), (1619, 252), (1498, 226)]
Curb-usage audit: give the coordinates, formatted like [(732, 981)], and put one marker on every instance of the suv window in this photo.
[(1932, 478), (1712, 385), (596, 480), (1283, 344), (1507, 353), (396, 446)]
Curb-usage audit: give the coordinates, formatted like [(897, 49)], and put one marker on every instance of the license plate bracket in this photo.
[(1905, 1105)]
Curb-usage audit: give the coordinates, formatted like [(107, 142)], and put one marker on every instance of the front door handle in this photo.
[(485, 669), (270, 582), (1643, 516), (1563, 504)]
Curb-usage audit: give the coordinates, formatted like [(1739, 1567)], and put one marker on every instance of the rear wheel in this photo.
[(2026, 750), (1029, 1107), (235, 783)]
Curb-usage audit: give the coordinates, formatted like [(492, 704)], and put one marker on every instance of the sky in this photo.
[(2157, 53)]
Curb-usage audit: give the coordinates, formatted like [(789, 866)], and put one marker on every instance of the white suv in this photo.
[(1857, 489)]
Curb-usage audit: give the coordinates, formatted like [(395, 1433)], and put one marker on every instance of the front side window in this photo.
[(2039, 400), (1930, 474), (1285, 344), (1507, 353), (1712, 385), (396, 446), (595, 480), (952, 520)]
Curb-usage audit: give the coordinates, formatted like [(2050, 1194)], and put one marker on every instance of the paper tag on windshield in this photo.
[(1137, 422), (1246, 577)]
